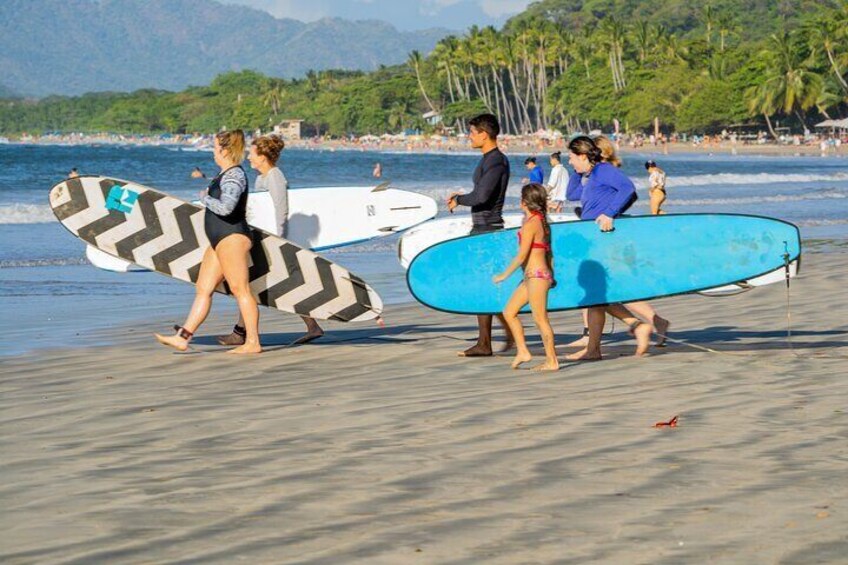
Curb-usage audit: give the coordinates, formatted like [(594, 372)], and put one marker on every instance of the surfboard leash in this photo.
[(789, 316)]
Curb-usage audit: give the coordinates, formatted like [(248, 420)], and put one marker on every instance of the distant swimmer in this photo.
[(557, 183), (378, 170), (656, 187), (198, 174), (74, 173)]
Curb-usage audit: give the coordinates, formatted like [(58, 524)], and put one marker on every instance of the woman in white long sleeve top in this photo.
[(557, 183), (264, 154)]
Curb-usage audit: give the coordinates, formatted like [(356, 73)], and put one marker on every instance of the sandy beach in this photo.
[(381, 446)]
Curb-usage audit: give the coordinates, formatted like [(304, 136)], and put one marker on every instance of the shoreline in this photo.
[(86, 329), (518, 145)]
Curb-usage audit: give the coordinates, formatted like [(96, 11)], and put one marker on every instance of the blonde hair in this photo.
[(232, 144), (608, 154), (270, 147)]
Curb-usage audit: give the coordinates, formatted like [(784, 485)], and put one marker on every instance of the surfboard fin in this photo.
[(388, 229)]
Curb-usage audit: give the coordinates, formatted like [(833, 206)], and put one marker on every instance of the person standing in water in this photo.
[(536, 258), (491, 179), (656, 187), (228, 254), (556, 184), (263, 156)]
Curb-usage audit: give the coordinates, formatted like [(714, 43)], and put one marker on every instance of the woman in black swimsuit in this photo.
[(227, 256)]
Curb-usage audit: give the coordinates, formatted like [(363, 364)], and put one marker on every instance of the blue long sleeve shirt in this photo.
[(537, 175), (606, 190)]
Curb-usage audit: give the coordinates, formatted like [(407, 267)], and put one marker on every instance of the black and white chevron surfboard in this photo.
[(165, 234)]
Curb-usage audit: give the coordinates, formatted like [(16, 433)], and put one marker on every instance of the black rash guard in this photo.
[(491, 178)]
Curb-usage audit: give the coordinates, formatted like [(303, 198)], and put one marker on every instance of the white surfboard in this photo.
[(430, 233), (323, 218)]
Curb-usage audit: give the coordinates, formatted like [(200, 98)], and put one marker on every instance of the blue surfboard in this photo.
[(643, 258)]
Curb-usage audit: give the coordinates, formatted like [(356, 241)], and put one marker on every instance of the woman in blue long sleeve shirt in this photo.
[(604, 193)]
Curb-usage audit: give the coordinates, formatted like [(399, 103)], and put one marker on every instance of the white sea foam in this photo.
[(59, 262), (819, 195), (26, 214), (821, 222), (745, 179)]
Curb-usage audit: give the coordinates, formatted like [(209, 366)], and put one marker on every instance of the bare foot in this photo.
[(246, 349), (642, 333), (521, 358), (661, 325), (307, 337), (174, 341), (476, 351), (581, 342), (548, 366), (584, 355)]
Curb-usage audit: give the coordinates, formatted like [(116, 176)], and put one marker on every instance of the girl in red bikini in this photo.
[(534, 255)]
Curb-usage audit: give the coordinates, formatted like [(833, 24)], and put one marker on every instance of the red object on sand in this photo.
[(670, 424)]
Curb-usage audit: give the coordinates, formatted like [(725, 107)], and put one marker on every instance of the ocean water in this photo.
[(51, 296)]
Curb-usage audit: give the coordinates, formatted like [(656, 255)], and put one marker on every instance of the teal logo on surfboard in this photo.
[(121, 199)]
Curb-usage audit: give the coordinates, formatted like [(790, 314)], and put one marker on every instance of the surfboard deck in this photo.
[(165, 234), (323, 218), (644, 258), (428, 234)]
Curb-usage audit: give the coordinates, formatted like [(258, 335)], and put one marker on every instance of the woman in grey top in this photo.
[(263, 156)]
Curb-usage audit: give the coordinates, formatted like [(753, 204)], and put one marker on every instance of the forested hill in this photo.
[(750, 20), (73, 46)]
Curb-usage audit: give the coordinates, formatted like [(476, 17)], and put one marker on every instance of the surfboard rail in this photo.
[(166, 235), (792, 246)]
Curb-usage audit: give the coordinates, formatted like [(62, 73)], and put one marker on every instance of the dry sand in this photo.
[(380, 446)]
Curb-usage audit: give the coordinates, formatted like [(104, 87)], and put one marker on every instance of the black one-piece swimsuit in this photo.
[(218, 227)]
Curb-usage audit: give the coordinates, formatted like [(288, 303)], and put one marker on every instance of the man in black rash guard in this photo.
[(491, 178)]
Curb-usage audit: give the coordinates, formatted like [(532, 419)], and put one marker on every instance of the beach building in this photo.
[(433, 118), (289, 129)]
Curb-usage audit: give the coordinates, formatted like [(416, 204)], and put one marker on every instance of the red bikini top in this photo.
[(534, 245)]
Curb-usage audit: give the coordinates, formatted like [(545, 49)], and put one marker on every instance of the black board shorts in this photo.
[(484, 229)]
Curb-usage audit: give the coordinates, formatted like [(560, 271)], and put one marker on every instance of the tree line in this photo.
[(539, 72)]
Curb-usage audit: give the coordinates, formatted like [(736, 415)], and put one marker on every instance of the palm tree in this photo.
[(828, 33), (644, 36), (583, 50), (274, 97), (790, 85), (414, 62), (708, 16), (726, 25), (613, 33)]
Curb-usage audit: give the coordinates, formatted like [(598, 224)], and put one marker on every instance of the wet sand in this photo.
[(381, 446)]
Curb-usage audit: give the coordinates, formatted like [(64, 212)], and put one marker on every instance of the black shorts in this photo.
[(475, 229)]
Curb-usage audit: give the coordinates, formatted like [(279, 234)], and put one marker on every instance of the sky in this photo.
[(405, 15)]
